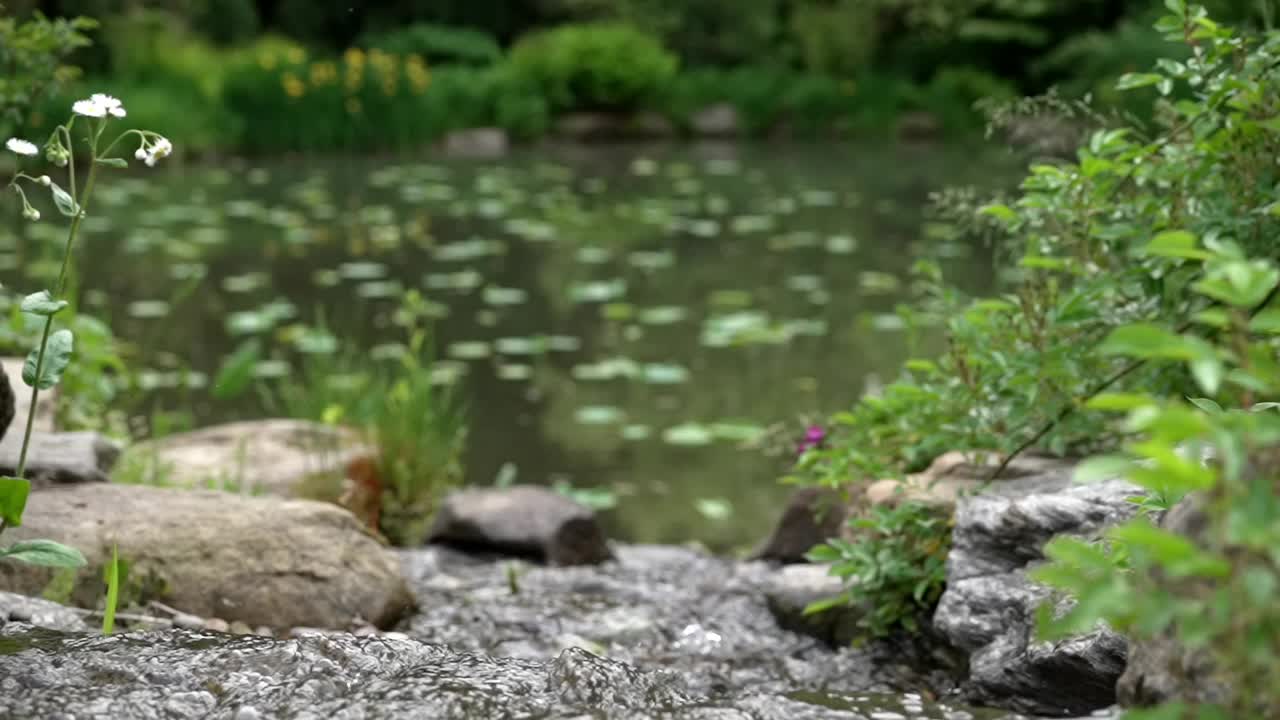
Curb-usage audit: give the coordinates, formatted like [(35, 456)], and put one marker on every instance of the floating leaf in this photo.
[(505, 296), (598, 415), (688, 435), (715, 509), (662, 315)]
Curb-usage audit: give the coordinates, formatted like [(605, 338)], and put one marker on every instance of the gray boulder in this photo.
[(989, 606), (263, 561), (61, 458), (275, 456), (793, 588), (39, 612), (525, 521), (477, 143)]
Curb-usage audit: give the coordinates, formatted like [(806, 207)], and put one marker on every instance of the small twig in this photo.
[(165, 608), (130, 617)]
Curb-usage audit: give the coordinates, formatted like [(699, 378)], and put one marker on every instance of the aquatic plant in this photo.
[(46, 364)]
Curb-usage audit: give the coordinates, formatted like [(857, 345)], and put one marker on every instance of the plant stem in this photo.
[(82, 203)]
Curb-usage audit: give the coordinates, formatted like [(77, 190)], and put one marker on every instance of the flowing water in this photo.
[(619, 319)]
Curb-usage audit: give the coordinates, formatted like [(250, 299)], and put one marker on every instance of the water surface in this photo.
[(618, 317)]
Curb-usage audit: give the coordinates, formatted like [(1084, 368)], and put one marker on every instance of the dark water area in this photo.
[(620, 317)]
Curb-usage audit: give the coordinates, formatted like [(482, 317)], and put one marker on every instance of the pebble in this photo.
[(188, 622), (264, 631), (217, 625), (241, 628), (247, 712)]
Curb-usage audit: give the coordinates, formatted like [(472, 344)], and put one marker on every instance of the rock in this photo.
[(525, 521), (790, 590), (188, 621), (38, 612), (955, 474), (812, 516), (259, 560), (485, 142), (240, 628), (217, 625), (605, 126), (918, 126), (288, 458), (1161, 669), (46, 405), (705, 618), (61, 458), (988, 608), (652, 125), (1046, 135), (718, 120)]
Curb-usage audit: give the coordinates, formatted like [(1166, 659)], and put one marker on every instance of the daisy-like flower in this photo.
[(88, 108), (160, 148), (108, 103), (21, 147), (98, 105)]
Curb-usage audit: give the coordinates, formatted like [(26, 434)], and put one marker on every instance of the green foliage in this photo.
[(894, 566), (227, 22), (111, 576), (33, 54), (1141, 274), (417, 425), (594, 66), (437, 44)]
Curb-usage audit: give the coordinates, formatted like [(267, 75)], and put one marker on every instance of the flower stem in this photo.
[(82, 203)]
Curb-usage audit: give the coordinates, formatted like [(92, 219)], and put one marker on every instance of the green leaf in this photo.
[(1207, 371), (1267, 321), (46, 553), (237, 370), (66, 204), (113, 592), (1130, 81), (1102, 467), (818, 606), (1206, 405), (1119, 401), (1145, 340), (57, 358), (41, 303), (1176, 244), (113, 162), (13, 499), (1000, 212)]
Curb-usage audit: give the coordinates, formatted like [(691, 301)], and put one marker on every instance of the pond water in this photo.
[(621, 318)]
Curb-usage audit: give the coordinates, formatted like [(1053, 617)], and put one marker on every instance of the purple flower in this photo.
[(814, 436)]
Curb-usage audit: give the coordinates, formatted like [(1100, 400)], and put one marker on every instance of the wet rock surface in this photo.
[(259, 560), (181, 674), (39, 612), (524, 520), (989, 605)]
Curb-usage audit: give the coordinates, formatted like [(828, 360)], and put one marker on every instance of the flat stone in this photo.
[(39, 612), (793, 588), (260, 560), (525, 521), (283, 457), (61, 458)]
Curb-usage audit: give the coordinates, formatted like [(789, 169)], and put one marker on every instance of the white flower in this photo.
[(160, 148), (31, 213), (21, 147), (108, 103), (99, 105), (140, 153), (44, 180)]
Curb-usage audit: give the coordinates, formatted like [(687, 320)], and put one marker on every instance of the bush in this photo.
[(594, 66), (33, 55), (226, 22), (1138, 313), (438, 44)]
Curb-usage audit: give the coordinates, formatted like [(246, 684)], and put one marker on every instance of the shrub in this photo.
[(227, 22), (598, 66), (438, 44), (33, 55), (1142, 274)]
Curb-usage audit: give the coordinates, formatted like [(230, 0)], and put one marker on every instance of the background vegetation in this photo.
[(277, 75)]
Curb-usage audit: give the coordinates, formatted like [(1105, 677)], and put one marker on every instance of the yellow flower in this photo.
[(297, 55), (353, 106), (267, 61), (323, 73), (293, 87), (354, 56)]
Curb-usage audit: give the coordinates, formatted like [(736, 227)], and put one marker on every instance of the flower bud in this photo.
[(44, 180), (31, 213)]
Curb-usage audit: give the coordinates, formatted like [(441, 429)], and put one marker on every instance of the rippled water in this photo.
[(620, 317)]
